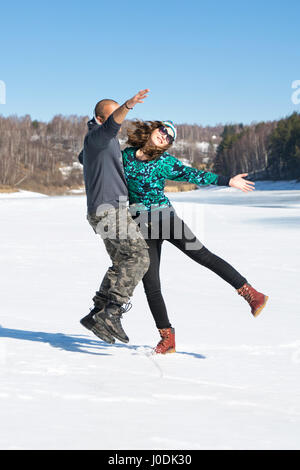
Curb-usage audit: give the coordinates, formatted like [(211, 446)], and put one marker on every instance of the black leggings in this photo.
[(179, 234)]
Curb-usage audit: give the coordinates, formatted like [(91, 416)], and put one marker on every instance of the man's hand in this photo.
[(121, 113), (138, 98), (240, 183)]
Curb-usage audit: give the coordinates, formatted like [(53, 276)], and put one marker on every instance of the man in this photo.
[(108, 214)]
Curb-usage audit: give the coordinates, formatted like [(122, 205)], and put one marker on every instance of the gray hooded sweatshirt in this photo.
[(102, 163)]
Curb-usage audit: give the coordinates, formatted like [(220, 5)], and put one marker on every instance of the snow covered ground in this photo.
[(234, 381), (21, 194)]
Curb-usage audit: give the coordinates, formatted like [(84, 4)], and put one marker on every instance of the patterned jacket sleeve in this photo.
[(175, 170)]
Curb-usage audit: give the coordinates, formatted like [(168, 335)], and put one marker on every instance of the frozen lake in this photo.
[(234, 381)]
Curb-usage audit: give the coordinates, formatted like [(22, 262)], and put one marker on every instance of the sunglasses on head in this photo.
[(164, 131)]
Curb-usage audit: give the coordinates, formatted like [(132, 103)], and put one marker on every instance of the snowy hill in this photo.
[(234, 381)]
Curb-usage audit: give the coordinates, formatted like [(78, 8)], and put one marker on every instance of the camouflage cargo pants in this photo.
[(128, 252)]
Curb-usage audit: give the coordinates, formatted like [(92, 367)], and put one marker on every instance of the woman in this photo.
[(147, 165)]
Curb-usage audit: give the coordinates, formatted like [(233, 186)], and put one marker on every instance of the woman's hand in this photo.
[(240, 183)]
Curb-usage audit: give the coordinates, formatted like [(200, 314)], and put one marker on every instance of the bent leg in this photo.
[(129, 254)]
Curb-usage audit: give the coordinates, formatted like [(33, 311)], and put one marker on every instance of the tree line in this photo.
[(266, 150), (42, 156), (32, 152)]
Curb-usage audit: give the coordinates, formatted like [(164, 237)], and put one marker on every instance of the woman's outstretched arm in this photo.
[(175, 170)]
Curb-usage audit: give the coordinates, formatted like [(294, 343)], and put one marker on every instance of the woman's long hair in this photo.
[(139, 134)]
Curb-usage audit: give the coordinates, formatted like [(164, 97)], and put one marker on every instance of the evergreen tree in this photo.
[(285, 148)]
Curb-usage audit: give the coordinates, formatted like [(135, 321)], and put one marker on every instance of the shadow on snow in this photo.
[(76, 343)]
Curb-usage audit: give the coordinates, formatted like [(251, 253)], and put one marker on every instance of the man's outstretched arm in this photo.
[(101, 135), (120, 114)]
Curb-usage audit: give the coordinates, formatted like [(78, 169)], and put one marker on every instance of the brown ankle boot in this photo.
[(255, 299), (167, 342)]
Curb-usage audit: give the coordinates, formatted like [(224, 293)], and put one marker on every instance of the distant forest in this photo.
[(266, 150), (42, 156)]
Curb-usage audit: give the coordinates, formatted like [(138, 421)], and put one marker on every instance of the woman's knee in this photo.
[(152, 287)]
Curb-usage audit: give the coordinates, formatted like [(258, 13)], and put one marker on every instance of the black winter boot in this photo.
[(110, 318), (99, 330)]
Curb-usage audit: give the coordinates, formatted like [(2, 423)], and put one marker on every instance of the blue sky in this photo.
[(204, 62)]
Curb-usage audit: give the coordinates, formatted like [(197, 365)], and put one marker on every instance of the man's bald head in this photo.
[(105, 108)]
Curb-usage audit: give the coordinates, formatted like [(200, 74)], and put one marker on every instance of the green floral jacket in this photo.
[(146, 179)]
